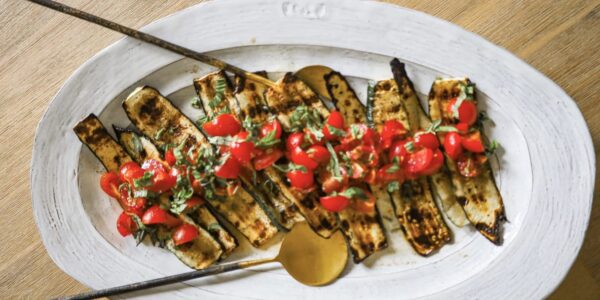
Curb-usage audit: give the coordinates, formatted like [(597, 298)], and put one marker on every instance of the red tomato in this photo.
[(358, 170), (371, 176), (387, 174), (178, 171), (452, 145), (170, 157), (391, 131), (222, 125), (162, 181), (312, 139), (197, 186), (301, 158), (399, 150), (130, 171), (157, 215), (269, 127), (125, 224), (185, 233), (427, 140), (334, 203), (193, 202), (467, 112), (365, 205), (301, 180), (467, 166), (109, 182), (294, 140), (319, 154), (365, 154), (436, 163), (336, 120), (267, 159), (131, 205), (462, 127), (242, 150), (230, 169), (472, 142), (330, 184), (419, 161)]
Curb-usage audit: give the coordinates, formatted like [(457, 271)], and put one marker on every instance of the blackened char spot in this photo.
[(345, 225), (461, 200), (149, 108), (423, 241), (326, 224), (415, 215)]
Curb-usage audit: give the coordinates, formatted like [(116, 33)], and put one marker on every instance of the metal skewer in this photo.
[(148, 38)]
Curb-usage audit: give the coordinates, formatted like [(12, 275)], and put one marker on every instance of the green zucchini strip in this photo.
[(151, 113), (202, 215), (282, 106), (441, 182), (247, 104), (203, 251), (479, 196), (365, 228), (415, 208)]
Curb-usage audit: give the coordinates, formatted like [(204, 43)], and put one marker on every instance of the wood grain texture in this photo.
[(40, 49)]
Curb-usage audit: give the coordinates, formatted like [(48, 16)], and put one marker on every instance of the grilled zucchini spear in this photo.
[(478, 195), (365, 229), (282, 106), (140, 149), (419, 217), (269, 184), (151, 113), (440, 182), (203, 251)]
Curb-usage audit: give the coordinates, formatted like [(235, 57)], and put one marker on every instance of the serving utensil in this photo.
[(309, 258)]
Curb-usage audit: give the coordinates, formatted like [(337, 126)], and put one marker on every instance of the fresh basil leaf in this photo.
[(144, 181)]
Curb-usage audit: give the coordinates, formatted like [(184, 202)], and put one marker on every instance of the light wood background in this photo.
[(39, 49)]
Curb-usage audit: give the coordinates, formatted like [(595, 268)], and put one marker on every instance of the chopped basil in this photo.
[(143, 181), (492, 147), (393, 186), (181, 193), (144, 194), (334, 163), (219, 92), (356, 131), (159, 133), (393, 168), (196, 103), (268, 141), (335, 131), (355, 192), (213, 227), (410, 146)]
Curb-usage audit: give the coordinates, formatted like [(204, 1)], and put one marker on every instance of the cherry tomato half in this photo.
[(230, 169), (125, 224), (185, 233), (436, 163), (391, 131), (462, 127), (242, 149), (472, 142), (301, 158), (130, 171), (301, 180), (330, 184), (269, 127), (427, 140), (162, 181), (109, 182), (267, 159), (319, 154), (467, 112), (365, 205), (467, 166), (452, 144), (156, 215), (193, 202), (335, 203), (387, 174), (336, 120), (399, 150), (170, 157), (419, 161), (294, 140), (222, 125)]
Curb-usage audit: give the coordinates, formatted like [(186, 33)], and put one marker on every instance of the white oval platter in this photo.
[(546, 172)]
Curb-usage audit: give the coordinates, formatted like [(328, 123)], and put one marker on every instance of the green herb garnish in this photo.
[(143, 181)]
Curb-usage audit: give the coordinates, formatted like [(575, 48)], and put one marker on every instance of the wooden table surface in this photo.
[(40, 49)]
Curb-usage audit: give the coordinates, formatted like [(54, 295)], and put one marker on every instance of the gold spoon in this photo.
[(309, 258)]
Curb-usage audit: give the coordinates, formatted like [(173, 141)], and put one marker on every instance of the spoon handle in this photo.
[(153, 40), (217, 269)]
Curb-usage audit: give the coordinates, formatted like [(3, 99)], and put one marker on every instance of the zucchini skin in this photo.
[(247, 103), (440, 182), (149, 111), (479, 196), (204, 250), (202, 215), (415, 208), (282, 105), (364, 231)]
